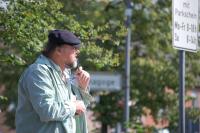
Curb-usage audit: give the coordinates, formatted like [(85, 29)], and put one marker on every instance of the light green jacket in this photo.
[(45, 101)]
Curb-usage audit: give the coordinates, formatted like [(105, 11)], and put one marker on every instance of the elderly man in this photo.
[(48, 102)]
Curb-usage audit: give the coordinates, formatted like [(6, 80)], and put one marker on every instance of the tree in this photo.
[(100, 25), (154, 63), (24, 29)]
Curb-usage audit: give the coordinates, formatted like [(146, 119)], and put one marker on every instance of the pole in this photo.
[(127, 90), (118, 128), (182, 91), (128, 14)]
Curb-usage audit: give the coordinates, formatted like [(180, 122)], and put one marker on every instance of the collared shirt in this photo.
[(45, 100)]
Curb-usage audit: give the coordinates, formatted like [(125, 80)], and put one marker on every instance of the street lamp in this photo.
[(128, 14)]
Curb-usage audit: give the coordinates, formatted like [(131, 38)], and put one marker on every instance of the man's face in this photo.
[(68, 54)]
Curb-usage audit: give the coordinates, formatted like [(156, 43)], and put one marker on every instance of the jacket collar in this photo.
[(47, 61)]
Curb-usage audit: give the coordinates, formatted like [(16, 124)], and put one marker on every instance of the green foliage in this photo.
[(111, 115), (154, 65), (139, 127), (23, 32), (24, 28), (3, 101), (150, 79), (100, 25), (193, 113)]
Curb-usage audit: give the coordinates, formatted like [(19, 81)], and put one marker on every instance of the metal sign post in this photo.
[(185, 38), (181, 91), (128, 14)]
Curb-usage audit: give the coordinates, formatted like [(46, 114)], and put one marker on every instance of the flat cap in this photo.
[(60, 37)]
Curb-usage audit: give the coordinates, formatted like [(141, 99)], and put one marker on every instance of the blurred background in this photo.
[(100, 24)]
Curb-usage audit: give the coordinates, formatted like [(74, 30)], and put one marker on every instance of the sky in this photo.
[(3, 4)]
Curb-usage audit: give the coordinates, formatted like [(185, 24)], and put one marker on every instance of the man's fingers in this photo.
[(73, 98), (83, 78), (83, 75), (80, 68), (86, 78), (80, 107)]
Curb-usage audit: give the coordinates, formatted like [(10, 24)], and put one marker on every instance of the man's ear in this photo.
[(58, 50)]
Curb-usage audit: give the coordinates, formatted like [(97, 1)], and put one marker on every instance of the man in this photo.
[(48, 102)]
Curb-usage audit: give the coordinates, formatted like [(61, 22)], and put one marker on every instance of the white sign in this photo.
[(185, 25), (105, 81)]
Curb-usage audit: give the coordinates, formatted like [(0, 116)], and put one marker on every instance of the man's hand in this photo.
[(82, 77), (80, 107)]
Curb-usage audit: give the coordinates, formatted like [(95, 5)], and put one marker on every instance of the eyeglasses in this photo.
[(72, 48)]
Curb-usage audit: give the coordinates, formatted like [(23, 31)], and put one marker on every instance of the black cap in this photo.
[(60, 37)]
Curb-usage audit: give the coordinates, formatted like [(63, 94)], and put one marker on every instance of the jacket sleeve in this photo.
[(82, 95), (42, 95)]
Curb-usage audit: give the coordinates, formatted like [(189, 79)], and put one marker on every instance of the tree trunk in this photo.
[(104, 128)]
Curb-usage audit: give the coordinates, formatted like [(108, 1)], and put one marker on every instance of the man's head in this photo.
[(63, 45)]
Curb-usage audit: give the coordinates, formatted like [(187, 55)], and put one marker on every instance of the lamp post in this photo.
[(128, 14)]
